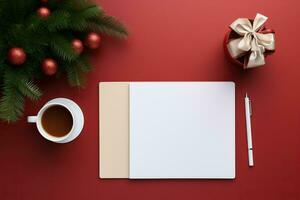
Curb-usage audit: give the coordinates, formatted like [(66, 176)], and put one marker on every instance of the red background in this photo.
[(171, 40)]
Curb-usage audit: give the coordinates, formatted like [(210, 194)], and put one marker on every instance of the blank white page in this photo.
[(182, 130)]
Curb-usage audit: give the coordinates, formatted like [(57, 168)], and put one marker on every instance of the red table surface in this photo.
[(171, 40)]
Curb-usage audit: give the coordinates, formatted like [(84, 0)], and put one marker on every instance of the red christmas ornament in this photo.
[(43, 12), (16, 56), (49, 66), (93, 40), (77, 46)]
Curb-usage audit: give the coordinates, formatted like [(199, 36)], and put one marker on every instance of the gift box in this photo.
[(248, 42)]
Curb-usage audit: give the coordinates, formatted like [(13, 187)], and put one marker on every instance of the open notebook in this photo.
[(167, 130)]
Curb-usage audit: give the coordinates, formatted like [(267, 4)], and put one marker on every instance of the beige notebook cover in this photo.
[(114, 129)]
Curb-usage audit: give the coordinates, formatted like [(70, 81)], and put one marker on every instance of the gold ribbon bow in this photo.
[(251, 40)]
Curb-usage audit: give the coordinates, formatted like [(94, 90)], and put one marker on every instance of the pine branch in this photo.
[(62, 48), (78, 24), (15, 87), (11, 104), (28, 89), (35, 24), (76, 76), (109, 25), (3, 53), (18, 10), (90, 12), (2, 70), (80, 4), (3, 6), (58, 20), (41, 37), (12, 101), (84, 64)]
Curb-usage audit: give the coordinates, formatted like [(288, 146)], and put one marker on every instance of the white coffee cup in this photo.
[(75, 111)]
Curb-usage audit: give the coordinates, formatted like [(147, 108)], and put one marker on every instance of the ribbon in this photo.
[(251, 40)]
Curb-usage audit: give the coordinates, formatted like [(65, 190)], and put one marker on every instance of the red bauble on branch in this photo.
[(93, 40), (49, 66), (77, 46), (43, 12), (16, 56)]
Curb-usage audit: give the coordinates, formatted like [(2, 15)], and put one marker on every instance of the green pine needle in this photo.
[(58, 20), (91, 12), (11, 102), (76, 76), (62, 48), (83, 64), (110, 26), (28, 89)]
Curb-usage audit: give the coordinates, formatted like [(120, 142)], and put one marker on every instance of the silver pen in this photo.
[(248, 112)]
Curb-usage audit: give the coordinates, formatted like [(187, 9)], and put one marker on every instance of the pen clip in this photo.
[(250, 106)]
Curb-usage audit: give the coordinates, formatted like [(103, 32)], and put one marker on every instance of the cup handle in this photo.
[(31, 119)]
